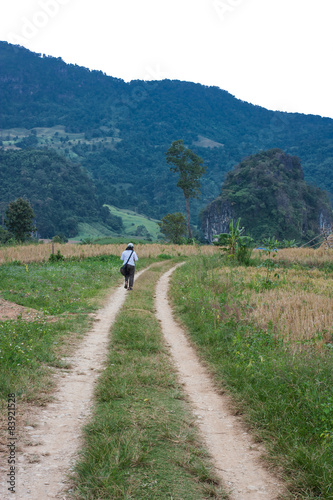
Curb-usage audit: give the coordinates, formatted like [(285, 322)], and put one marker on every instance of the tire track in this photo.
[(50, 446), (235, 455)]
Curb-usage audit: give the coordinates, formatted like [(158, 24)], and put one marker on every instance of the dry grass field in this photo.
[(304, 256), (299, 307), (39, 253)]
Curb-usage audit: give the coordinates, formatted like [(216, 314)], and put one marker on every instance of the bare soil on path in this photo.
[(236, 456)]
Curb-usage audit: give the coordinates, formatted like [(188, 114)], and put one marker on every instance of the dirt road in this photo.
[(52, 442)]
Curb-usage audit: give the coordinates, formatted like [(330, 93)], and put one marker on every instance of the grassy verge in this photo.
[(285, 393), (141, 442)]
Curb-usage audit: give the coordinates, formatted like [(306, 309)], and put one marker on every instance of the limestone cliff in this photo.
[(216, 220)]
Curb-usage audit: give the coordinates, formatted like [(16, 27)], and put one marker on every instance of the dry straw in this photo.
[(297, 315), (304, 255), (299, 306), (42, 252)]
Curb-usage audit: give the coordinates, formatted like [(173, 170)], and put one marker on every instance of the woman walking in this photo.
[(129, 256)]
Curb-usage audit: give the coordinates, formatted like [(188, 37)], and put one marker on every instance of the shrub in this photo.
[(58, 257)]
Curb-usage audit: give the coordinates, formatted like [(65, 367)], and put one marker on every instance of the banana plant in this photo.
[(235, 243)]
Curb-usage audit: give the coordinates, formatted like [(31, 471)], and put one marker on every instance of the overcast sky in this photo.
[(274, 53)]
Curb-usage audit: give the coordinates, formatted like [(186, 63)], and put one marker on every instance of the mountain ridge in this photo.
[(128, 127)]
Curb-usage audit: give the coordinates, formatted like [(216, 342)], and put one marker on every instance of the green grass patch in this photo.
[(285, 395), (141, 442), (28, 351), (68, 286)]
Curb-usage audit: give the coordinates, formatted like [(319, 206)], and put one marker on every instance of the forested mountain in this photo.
[(60, 193), (268, 192), (119, 132)]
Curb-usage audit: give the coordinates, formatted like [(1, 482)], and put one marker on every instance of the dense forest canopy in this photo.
[(60, 193), (119, 132)]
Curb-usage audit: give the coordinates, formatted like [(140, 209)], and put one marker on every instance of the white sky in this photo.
[(274, 53)]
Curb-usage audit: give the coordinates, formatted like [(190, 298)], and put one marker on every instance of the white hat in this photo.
[(130, 245)]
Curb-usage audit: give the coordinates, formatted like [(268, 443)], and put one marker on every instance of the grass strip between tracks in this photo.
[(141, 442)]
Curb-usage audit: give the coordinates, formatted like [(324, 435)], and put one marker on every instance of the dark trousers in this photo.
[(130, 275)]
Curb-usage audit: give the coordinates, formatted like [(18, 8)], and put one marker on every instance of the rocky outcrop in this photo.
[(216, 219), (268, 192), (325, 221)]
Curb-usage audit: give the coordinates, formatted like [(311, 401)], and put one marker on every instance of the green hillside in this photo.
[(135, 226), (54, 137), (59, 191), (119, 132)]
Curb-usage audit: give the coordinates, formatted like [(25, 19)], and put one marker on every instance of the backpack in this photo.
[(123, 269)]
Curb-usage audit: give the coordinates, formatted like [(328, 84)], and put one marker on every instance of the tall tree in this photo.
[(190, 168), (18, 219)]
